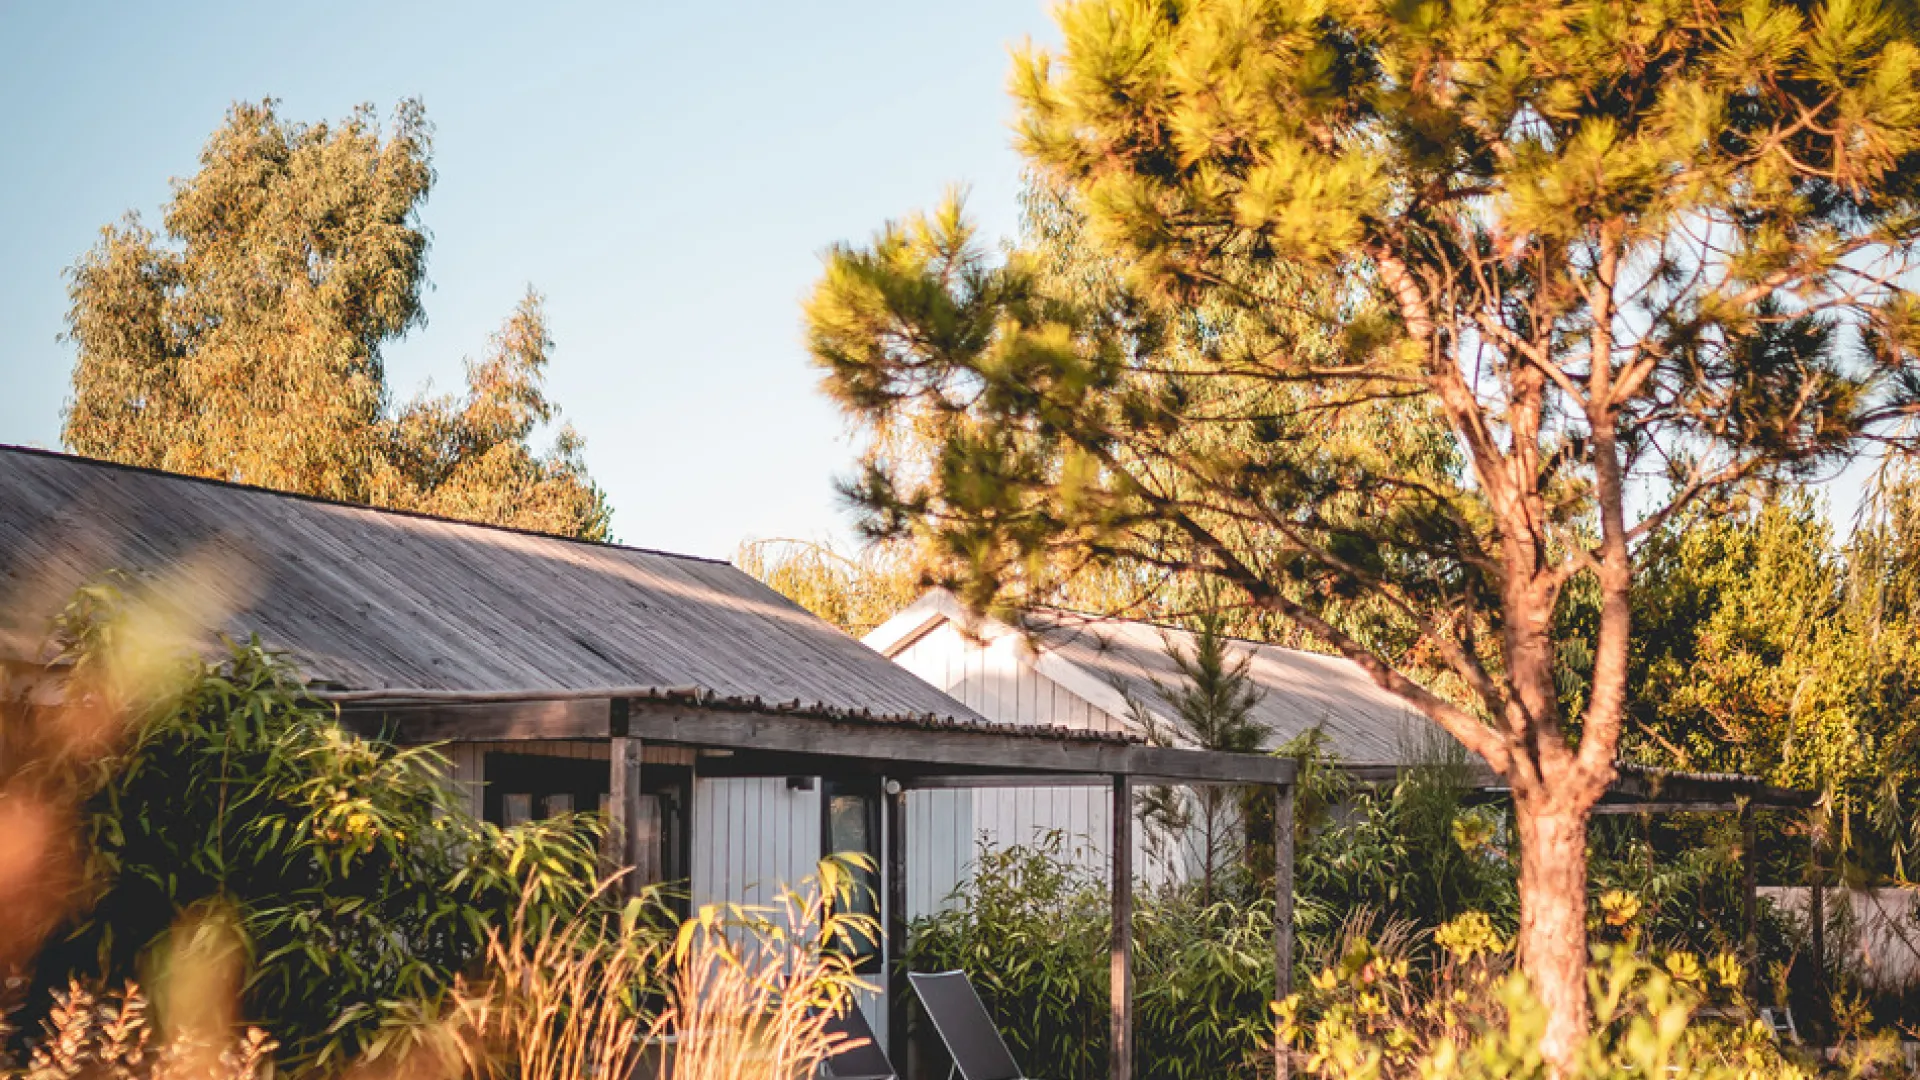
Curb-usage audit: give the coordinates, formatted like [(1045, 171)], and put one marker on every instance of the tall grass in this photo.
[(738, 992), (753, 989), (560, 1000)]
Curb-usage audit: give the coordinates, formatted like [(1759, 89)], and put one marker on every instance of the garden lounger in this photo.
[(963, 1025), (1780, 1025), (865, 1061)]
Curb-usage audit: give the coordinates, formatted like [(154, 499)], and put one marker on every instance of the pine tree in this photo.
[(1629, 255), (1213, 704)]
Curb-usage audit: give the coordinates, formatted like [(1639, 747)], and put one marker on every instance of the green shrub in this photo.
[(357, 881), (1033, 933), (1417, 850), (1204, 984)]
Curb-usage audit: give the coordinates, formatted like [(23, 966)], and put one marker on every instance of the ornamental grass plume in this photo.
[(93, 1034), (737, 992), (561, 1000), (753, 989)]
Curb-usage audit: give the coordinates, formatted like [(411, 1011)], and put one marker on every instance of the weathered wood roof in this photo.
[(1114, 662), (364, 599)]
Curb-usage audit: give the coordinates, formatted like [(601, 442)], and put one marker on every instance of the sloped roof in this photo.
[(1109, 661), (369, 600)]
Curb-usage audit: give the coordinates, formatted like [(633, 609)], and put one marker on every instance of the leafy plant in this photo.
[(1453, 1007), (1417, 850), (1030, 928), (356, 878)]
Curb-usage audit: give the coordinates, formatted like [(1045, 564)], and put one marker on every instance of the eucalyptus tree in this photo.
[(1625, 254), (245, 340)]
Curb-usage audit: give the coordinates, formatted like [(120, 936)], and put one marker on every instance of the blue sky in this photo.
[(667, 174)]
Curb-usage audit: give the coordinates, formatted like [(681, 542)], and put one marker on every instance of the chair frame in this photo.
[(956, 1070)]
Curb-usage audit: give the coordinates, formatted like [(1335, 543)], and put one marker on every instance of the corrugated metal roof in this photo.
[(1299, 691), (1111, 662), (364, 599)]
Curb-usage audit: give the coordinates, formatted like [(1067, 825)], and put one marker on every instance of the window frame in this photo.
[(869, 956)]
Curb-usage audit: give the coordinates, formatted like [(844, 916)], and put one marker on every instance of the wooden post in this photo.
[(635, 834), (1120, 990), (1282, 914), (1749, 889), (894, 807), (1817, 919)]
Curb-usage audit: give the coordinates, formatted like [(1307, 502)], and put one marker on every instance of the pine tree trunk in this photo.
[(1553, 921)]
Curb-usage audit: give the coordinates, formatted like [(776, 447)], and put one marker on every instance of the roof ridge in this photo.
[(1151, 624), (256, 489)]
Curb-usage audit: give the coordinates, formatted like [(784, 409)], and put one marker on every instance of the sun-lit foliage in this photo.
[(1626, 256), (350, 872), (855, 592), (244, 341), (1397, 1007)]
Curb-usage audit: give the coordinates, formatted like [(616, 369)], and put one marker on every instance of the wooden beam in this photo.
[(970, 781), (1479, 776), (1282, 915), (777, 733), (964, 781), (923, 749), (499, 721), (894, 807), (1120, 979), (1665, 807), (1181, 766), (1817, 915)]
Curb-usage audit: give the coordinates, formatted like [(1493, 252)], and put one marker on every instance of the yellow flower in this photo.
[(1728, 971), (1619, 907), (1469, 936), (1472, 832), (1683, 966)]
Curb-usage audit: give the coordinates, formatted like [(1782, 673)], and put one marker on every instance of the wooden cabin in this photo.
[(1109, 675), (1113, 676), (731, 737)]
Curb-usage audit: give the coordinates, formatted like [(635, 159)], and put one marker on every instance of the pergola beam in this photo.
[(901, 748)]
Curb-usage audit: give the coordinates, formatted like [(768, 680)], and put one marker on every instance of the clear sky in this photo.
[(666, 173)]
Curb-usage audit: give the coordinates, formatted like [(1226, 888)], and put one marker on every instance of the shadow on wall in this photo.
[(1883, 925)]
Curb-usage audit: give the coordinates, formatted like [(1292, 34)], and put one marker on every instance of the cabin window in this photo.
[(529, 787), (852, 827)]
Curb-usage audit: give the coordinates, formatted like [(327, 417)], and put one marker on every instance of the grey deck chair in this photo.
[(978, 1051), (863, 1062)]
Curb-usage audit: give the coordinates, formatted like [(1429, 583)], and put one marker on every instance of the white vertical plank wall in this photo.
[(751, 838), (947, 828)]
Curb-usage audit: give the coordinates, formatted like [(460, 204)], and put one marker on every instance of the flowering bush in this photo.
[(1463, 1012)]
